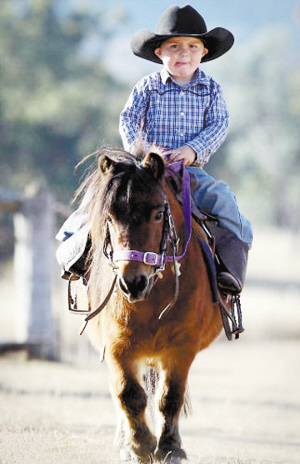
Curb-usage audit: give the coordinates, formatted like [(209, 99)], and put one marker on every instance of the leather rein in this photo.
[(157, 260)]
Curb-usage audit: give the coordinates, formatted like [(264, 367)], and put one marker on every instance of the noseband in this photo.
[(157, 260)]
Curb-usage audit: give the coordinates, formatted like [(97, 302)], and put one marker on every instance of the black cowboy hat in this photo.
[(185, 22)]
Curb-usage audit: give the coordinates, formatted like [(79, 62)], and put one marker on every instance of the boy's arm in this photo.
[(215, 131), (131, 119)]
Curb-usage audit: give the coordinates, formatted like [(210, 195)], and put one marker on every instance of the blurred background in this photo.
[(66, 70)]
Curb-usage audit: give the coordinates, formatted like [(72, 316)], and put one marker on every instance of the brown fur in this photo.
[(127, 194)]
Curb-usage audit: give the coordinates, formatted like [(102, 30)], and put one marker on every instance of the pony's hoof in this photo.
[(174, 460), (124, 455), (171, 458)]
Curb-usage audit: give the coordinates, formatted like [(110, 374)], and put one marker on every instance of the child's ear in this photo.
[(205, 52), (157, 52)]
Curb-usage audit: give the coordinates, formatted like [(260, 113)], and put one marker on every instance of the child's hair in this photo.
[(158, 43), (204, 43)]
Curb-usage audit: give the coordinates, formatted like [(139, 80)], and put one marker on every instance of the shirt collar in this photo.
[(200, 78)]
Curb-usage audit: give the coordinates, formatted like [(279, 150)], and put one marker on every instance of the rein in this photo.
[(149, 257)]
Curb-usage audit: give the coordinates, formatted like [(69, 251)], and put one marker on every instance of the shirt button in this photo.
[(181, 135), (182, 114)]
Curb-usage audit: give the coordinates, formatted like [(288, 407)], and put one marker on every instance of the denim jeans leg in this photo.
[(215, 197)]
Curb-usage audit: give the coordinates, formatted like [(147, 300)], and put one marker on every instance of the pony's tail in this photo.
[(151, 382), (187, 405), (151, 379)]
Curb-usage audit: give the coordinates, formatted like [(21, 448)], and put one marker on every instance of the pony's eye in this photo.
[(158, 217), (135, 218), (109, 219)]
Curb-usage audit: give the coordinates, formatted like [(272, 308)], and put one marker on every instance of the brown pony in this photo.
[(134, 217)]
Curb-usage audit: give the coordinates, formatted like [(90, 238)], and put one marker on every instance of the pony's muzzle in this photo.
[(135, 287)]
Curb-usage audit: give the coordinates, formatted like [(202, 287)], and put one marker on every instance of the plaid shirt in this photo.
[(162, 112)]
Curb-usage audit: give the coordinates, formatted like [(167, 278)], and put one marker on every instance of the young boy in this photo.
[(183, 111)]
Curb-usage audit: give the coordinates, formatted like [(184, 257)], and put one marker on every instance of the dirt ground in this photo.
[(245, 394), (245, 398)]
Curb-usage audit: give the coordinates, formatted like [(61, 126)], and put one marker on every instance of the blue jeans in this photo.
[(215, 197)]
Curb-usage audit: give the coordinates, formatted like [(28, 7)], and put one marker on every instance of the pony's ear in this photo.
[(155, 165), (106, 164)]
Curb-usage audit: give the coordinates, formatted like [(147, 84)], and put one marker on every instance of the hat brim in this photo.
[(218, 41)]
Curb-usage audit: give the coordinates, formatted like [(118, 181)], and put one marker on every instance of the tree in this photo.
[(56, 103), (261, 157)]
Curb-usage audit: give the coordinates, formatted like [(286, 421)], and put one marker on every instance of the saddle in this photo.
[(73, 255), (229, 303), (218, 247)]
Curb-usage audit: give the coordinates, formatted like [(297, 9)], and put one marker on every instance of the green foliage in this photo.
[(261, 157), (56, 104)]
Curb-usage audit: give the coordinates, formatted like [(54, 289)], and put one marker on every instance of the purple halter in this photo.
[(155, 259)]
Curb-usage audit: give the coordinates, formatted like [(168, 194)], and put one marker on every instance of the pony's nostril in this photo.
[(141, 283), (133, 286), (123, 286)]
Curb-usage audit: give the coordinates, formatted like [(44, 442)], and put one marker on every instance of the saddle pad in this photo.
[(211, 268)]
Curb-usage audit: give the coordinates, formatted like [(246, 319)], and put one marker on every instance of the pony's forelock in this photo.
[(114, 174)]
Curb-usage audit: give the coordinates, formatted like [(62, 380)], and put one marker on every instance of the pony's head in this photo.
[(126, 213)]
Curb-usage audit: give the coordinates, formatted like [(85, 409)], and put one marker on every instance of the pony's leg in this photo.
[(120, 438), (133, 437), (171, 395)]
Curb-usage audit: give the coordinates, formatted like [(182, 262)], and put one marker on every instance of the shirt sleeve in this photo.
[(216, 124), (131, 118)]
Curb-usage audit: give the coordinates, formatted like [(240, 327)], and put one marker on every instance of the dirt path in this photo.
[(245, 397)]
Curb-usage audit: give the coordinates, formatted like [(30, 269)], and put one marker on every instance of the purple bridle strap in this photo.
[(147, 257), (154, 259), (186, 204)]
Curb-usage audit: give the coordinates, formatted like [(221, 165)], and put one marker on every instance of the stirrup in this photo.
[(80, 283), (231, 313)]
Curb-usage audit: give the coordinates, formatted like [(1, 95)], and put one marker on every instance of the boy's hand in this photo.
[(184, 153)]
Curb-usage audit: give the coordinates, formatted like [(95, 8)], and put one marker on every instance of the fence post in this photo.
[(34, 225)]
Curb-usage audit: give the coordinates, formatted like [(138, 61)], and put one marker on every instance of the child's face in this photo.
[(181, 57)]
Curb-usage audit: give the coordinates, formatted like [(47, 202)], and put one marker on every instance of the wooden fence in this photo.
[(35, 214), (34, 259)]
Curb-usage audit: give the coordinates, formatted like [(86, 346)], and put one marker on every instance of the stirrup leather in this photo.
[(231, 313)]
